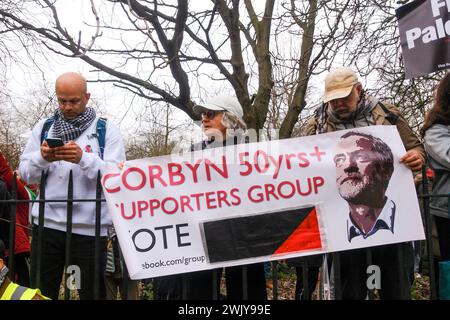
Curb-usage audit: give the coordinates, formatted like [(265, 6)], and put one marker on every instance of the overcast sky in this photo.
[(117, 102), (74, 14)]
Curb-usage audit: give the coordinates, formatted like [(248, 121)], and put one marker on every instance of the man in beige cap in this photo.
[(346, 105)]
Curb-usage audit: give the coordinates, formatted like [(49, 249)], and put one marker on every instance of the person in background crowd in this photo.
[(436, 134), (84, 154), (10, 290), (346, 105), (22, 239)]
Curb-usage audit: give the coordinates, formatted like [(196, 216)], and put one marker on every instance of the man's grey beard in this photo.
[(356, 191)]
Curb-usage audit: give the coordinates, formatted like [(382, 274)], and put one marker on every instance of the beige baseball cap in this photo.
[(339, 83)]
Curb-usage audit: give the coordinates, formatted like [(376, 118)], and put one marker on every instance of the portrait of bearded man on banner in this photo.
[(364, 166)]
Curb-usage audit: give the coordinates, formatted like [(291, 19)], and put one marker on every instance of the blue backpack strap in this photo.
[(47, 124), (101, 135)]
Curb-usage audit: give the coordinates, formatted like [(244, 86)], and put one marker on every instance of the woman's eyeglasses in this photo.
[(210, 114)]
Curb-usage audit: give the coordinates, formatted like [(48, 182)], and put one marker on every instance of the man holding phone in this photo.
[(78, 150)]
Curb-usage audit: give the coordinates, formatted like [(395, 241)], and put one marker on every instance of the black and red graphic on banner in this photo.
[(262, 235)]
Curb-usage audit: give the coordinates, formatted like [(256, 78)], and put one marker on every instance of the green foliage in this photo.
[(146, 290)]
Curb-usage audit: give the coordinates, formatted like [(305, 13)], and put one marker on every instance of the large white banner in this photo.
[(263, 201)]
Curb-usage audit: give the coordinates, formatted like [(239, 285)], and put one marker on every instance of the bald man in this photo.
[(75, 123)]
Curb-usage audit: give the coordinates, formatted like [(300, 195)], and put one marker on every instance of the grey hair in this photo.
[(233, 122)]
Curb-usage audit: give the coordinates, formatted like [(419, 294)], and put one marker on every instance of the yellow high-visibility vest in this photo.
[(16, 292)]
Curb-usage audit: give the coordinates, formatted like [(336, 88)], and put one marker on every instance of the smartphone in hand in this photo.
[(54, 142)]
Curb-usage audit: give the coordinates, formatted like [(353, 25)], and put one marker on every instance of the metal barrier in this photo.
[(335, 257), (40, 227)]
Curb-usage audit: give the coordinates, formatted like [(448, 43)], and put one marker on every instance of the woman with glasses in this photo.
[(222, 125), (222, 122)]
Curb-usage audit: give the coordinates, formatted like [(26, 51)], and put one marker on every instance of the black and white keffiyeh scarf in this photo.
[(361, 117), (71, 129)]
